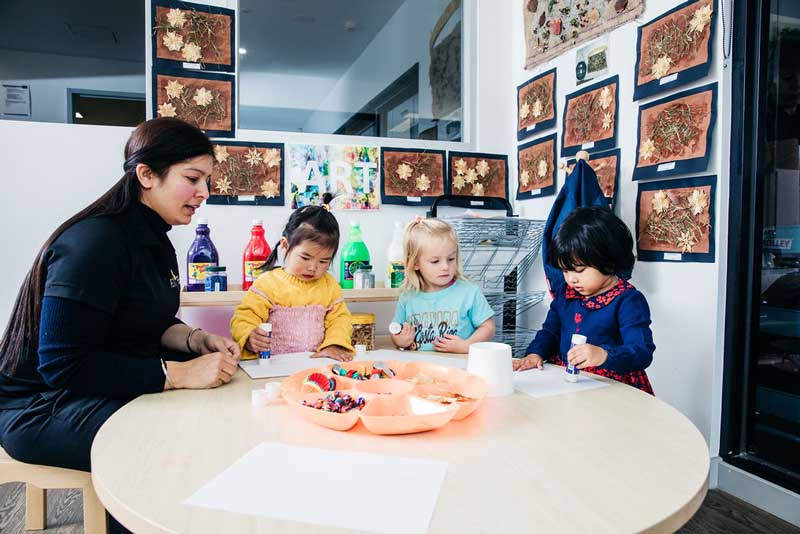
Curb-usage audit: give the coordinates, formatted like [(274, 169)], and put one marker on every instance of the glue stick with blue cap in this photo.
[(572, 371), (264, 355)]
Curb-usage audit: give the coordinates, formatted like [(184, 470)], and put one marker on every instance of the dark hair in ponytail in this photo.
[(309, 223), (159, 144)]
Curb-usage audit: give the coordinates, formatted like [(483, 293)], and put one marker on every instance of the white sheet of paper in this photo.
[(282, 365), (666, 167), (412, 356), (394, 494), (587, 146), (673, 256), (550, 381)]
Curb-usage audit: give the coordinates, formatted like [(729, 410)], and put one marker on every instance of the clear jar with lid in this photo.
[(216, 278), (364, 330), (364, 278)]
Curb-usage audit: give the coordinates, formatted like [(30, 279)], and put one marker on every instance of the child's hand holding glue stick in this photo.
[(583, 355), (259, 340)]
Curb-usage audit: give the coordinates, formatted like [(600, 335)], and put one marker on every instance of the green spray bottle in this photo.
[(355, 254)]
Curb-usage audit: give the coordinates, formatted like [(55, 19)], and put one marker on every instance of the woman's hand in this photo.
[(258, 341), (451, 343), (204, 372), (208, 343), (583, 356), (528, 362), (405, 338), (334, 352)]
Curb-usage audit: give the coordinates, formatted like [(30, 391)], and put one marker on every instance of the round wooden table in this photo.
[(611, 459)]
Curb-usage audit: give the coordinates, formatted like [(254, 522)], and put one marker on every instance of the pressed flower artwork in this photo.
[(200, 98), (477, 175), (247, 174), (412, 176), (536, 104), (590, 118), (675, 48), (554, 26), (193, 33), (674, 220), (675, 133), (536, 168), (606, 167)]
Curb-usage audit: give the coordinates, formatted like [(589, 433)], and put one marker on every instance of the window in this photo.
[(391, 68)]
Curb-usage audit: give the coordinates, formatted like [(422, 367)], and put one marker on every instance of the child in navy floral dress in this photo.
[(592, 248)]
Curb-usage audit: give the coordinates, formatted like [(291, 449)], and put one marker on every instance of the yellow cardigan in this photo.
[(283, 289)]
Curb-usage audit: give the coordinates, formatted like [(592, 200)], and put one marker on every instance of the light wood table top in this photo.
[(605, 460)]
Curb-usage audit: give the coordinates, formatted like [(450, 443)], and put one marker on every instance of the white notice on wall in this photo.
[(536, 191), (587, 146), (245, 198), (414, 199), (667, 79), (673, 256), (16, 101), (477, 203), (666, 167), (531, 128), (193, 66)]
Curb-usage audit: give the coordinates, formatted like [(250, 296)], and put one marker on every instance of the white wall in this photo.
[(49, 77), (83, 161), (686, 299)]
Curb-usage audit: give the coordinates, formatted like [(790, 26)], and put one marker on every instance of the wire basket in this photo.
[(517, 338), (494, 250)]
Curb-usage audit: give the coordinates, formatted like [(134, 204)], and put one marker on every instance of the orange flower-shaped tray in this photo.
[(420, 397)]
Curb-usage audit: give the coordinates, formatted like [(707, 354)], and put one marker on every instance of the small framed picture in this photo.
[(536, 104), (536, 164), (590, 118), (411, 176), (248, 174), (205, 99)]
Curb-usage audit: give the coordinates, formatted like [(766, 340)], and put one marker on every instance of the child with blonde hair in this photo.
[(301, 300), (438, 308)]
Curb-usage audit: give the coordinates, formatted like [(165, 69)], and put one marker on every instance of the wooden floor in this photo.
[(720, 514)]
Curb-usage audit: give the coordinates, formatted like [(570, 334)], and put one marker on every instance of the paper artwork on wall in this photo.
[(536, 104), (536, 164), (247, 174), (674, 220), (471, 174), (590, 118), (674, 48), (411, 176), (193, 36), (205, 99), (554, 26), (606, 167), (675, 133), (348, 172)]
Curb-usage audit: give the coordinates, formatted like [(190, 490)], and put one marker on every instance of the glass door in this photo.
[(761, 411)]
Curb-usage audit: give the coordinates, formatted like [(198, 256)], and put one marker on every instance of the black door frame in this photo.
[(747, 156)]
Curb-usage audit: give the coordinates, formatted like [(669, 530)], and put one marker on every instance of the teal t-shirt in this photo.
[(458, 309)]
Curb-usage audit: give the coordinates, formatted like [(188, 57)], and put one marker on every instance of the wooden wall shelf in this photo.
[(234, 296)]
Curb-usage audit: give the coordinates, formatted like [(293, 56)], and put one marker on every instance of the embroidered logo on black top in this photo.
[(174, 281)]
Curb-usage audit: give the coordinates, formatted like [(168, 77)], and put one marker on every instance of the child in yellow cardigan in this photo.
[(301, 300)]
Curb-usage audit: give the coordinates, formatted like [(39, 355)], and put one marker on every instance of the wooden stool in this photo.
[(40, 478)]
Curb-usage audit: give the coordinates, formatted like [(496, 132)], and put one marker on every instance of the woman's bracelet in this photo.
[(189, 338), (166, 375)]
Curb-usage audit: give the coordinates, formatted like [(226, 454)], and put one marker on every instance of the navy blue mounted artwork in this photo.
[(536, 164), (606, 167), (473, 174), (590, 118), (536, 104), (675, 220), (412, 176), (193, 36), (675, 133), (248, 174), (205, 99), (675, 48)]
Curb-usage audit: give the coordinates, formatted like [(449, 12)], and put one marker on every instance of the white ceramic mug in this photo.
[(492, 362)]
